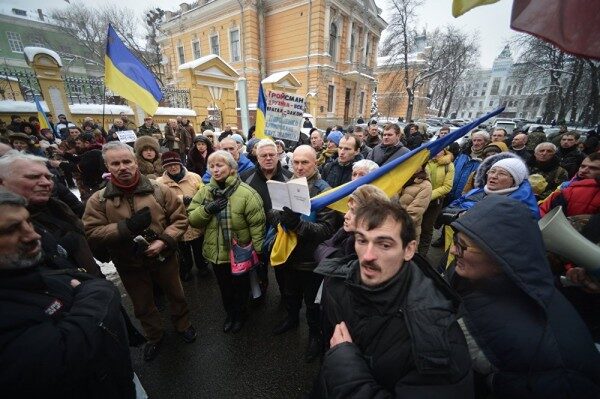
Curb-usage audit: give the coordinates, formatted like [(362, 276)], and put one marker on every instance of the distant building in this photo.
[(482, 90), (329, 46), (20, 28)]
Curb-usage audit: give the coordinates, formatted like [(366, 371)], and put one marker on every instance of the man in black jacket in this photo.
[(339, 171), (569, 154), (300, 283), (269, 168), (391, 146), (390, 318), (62, 333)]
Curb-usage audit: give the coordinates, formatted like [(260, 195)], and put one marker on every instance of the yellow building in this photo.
[(328, 46), (392, 98)]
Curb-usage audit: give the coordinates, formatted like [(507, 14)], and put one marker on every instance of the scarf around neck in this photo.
[(126, 188)]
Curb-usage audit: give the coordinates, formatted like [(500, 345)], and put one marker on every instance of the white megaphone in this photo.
[(562, 239)]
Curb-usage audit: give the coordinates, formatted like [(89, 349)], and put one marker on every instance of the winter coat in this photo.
[(464, 165), (188, 186), (152, 131), (244, 164), (441, 174), (415, 198), (247, 219), (552, 173), (406, 342), (570, 159), (195, 161), (62, 342), (372, 141), (340, 245), (336, 174), (581, 197), (536, 342), (112, 132), (414, 140), (256, 179), (383, 154), (184, 142), (365, 150), (150, 169), (104, 220)]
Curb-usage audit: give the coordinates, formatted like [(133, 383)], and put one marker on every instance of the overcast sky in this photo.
[(491, 23)]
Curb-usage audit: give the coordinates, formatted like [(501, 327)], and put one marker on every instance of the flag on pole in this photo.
[(390, 178), (459, 7), (41, 115), (261, 111), (572, 25), (125, 75)]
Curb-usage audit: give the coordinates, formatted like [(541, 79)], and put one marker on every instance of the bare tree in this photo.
[(89, 25)]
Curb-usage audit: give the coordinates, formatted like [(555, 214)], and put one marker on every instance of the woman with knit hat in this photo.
[(146, 150), (488, 151), (501, 174), (198, 156), (185, 185)]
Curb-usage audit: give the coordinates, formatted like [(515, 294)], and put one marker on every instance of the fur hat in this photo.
[(335, 136), (516, 167), (143, 142), (170, 158)]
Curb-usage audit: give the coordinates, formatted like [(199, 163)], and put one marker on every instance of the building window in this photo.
[(483, 92), (330, 93), (480, 104), (361, 103), (491, 103), (495, 87), (508, 90), (196, 49), (180, 54), (214, 44), (333, 33), (472, 104), (14, 42), (352, 42), (234, 38)]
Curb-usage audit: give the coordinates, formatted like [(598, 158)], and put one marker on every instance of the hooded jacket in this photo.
[(441, 174), (527, 330), (195, 161), (406, 342), (149, 169), (415, 198)]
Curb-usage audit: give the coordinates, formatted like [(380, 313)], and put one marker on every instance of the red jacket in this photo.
[(579, 198)]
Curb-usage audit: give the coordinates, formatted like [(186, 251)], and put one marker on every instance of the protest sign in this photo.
[(284, 115), (126, 136)]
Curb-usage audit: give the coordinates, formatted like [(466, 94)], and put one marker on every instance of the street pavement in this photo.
[(250, 364)]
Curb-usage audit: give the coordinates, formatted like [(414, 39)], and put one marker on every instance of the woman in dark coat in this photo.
[(199, 153)]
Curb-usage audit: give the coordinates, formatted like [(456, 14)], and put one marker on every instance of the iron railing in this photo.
[(89, 90), (17, 84), (176, 98)]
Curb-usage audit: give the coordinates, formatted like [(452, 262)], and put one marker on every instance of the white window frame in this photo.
[(180, 53), (14, 42), (218, 43), (195, 42), (239, 40), (332, 110)]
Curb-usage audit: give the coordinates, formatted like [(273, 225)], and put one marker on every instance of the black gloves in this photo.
[(187, 200), (215, 206), (445, 219), (139, 221), (289, 219)]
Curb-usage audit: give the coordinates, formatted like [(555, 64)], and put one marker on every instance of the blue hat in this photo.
[(335, 136)]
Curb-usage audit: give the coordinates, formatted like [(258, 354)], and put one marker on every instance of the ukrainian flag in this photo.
[(390, 178), (261, 111), (459, 7), (41, 115), (125, 75)]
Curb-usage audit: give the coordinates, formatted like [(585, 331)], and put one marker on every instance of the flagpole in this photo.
[(103, 104)]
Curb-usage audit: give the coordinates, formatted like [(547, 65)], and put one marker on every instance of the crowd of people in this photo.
[(499, 316)]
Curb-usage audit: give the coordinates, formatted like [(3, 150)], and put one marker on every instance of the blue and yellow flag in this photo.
[(41, 115), (459, 7), (390, 178), (125, 75), (261, 112)]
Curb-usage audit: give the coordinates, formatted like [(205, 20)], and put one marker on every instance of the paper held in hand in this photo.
[(126, 136), (294, 194)]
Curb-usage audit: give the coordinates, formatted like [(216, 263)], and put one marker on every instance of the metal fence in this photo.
[(176, 98), (89, 90), (17, 84)]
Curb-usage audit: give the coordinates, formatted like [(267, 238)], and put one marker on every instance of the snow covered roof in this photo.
[(397, 59), (275, 77), (96, 109), (175, 111), (21, 106), (197, 62), (31, 52)]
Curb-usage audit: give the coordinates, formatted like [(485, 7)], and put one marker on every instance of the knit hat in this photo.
[(495, 147), (335, 136), (170, 158), (239, 139), (516, 167)]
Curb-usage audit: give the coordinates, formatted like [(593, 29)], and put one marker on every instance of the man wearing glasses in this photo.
[(269, 168), (524, 338)]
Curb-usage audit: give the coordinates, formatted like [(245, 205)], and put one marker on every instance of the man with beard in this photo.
[(61, 332)]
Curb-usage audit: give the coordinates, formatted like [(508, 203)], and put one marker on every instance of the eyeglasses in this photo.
[(267, 156), (498, 173), (461, 248)]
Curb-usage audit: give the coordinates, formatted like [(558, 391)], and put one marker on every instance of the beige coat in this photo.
[(415, 199), (104, 221), (187, 187)]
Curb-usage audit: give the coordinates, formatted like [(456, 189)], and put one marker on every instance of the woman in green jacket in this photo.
[(227, 201)]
